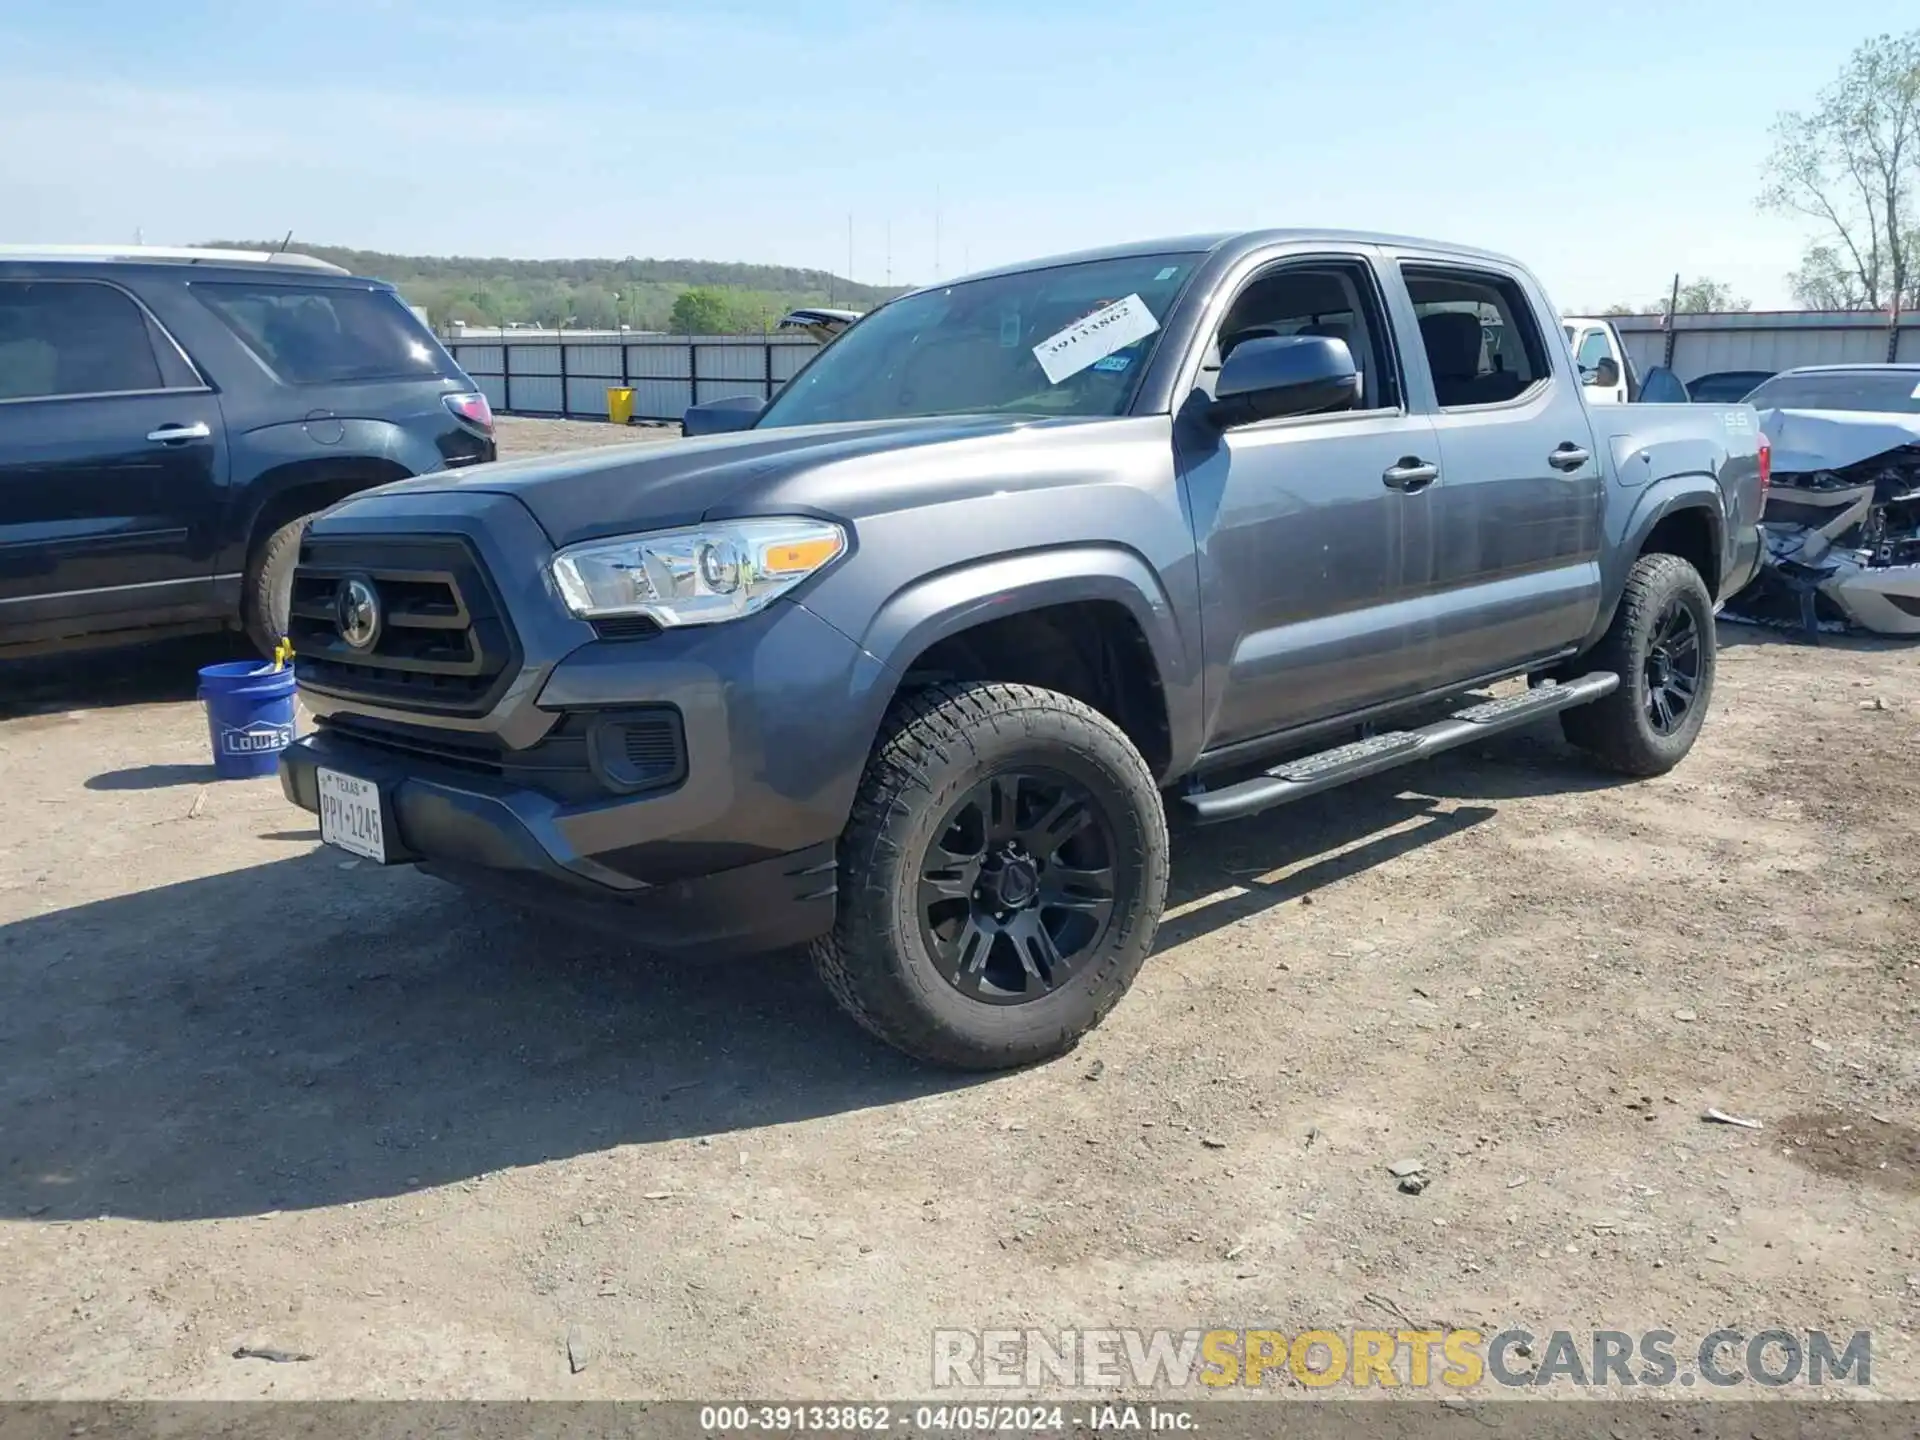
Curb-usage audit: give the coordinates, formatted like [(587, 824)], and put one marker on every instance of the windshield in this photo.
[(1725, 386), (1887, 391), (1067, 340)]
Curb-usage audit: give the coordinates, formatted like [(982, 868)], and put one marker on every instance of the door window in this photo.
[(1482, 342), (1593, 349), (1336, 298), (64, 337)]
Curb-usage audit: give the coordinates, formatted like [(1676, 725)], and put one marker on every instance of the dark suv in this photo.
[(171, 419)]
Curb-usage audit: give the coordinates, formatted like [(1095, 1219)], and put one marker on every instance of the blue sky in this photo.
[(1608, 144)]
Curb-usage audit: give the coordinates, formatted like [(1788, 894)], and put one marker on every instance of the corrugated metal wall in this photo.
[(571, 377), (1765, 340)]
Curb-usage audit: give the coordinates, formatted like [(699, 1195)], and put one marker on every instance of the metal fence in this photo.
[(569, 377)]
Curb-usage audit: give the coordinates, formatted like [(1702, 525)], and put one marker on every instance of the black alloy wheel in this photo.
[(1017, 889), (1672, 668)]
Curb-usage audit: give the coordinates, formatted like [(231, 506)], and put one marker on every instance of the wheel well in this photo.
[(1093, 650), (1689, 534), (309, 495)]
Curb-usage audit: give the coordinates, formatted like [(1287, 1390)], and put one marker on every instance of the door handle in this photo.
[(1568, 456), (1410, 473), (173, 434)]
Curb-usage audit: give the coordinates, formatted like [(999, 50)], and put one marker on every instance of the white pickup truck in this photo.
[(1606, 370)]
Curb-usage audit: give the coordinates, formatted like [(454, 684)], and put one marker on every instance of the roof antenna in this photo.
[(281, 248)]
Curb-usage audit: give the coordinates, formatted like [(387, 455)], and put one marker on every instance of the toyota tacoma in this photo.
[(909, 665)]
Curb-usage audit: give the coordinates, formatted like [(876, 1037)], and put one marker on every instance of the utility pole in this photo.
[(1673, 309), (889, 254), (936, 232), (849, 259)]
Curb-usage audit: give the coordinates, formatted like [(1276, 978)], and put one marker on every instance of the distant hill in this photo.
[(582, 293)]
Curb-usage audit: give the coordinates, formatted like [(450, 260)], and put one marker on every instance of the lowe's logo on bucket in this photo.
[(256, 739)]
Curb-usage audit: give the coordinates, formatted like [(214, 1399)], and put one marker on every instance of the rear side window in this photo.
[(318, 335), (61, 338), (1483, 344)]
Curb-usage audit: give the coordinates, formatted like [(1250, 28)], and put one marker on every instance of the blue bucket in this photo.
[(249, 716)]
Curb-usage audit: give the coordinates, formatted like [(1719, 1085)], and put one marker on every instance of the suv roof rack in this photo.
[(185, 254)]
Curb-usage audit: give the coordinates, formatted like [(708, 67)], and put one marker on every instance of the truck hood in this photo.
[(1808, 440), (586, 494)]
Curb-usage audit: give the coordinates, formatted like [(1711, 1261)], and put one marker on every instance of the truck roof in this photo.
[(1231, 241)]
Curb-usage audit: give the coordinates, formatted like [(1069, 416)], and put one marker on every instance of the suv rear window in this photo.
[(316, 335)]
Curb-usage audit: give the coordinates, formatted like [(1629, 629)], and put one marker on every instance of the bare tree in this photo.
[(1696, 297), (1703, 296), (1853, 164)]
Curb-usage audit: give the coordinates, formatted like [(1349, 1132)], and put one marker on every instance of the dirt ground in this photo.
[(257, 1093)]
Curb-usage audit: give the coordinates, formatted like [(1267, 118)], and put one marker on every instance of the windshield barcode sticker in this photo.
[(1095, 337)]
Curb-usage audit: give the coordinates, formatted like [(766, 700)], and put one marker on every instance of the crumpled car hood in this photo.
[(1805, 440)]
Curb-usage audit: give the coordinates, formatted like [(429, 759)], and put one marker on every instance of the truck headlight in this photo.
[(697, 575)]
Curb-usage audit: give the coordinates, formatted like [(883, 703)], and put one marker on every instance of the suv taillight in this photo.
[(472, 407), (1766, 469)]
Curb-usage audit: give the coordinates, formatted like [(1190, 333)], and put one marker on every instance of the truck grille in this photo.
[(443, 644)]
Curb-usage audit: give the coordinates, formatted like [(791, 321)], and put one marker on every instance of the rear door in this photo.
[(1511, 566), (1302, 523), (112, 465)]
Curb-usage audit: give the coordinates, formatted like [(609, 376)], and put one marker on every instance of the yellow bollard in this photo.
[(620, 404)]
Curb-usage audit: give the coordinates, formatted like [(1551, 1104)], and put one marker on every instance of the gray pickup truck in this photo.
[(910, 668)]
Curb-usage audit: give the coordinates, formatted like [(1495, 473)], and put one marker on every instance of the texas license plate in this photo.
[(350, 815)]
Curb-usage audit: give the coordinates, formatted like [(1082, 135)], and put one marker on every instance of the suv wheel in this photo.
[(1000, 879), (268, 588), (1662, 646)]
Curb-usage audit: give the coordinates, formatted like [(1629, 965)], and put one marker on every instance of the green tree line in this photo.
[(707, 297)]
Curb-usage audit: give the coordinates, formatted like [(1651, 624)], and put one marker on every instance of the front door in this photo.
[(1306, 525), (111, 479)]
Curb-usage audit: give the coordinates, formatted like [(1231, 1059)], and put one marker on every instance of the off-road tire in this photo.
[(268, 586), (1616, 729), (936, 745)]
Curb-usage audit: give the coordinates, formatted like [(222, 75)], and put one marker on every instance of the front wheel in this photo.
[(267, 595), (1001, 877), (1662, 646)]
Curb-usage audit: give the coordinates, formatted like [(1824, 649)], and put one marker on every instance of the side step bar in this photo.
[(1310, 774)]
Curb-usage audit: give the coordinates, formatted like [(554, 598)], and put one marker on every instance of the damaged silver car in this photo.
[(1842, 521)]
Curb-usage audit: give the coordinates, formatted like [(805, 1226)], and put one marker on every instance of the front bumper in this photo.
[(734, 851), (514, 843)]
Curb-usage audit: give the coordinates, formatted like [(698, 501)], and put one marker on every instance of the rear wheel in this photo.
[(1000, 879), (1662, 646), (268, 584)]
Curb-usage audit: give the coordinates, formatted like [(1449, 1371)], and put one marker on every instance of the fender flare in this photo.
[(933, 607), (1667, 496)]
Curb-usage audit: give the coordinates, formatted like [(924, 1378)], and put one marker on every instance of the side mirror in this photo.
[(1606, 374), (722, 417), (1279, 375)]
